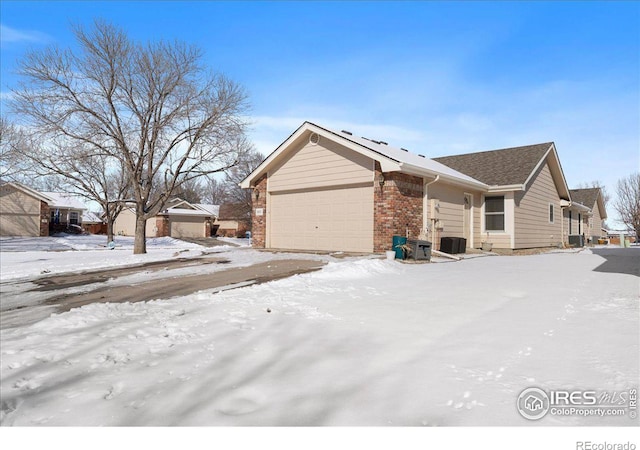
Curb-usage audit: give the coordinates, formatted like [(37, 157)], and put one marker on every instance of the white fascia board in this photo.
[(386, 164), (507, 188), (551, 150), (579, 206)]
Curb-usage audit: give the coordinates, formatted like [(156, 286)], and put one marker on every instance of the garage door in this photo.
[(328, 219), (186, 227)]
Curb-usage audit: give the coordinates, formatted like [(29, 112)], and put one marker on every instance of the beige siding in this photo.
[(227, 224), (450, 215), (573, 226), (532, 226), (325, 219), (596, 222), (151, 229), (499, 239), (186, 226), (325, 164), (19, 213), (125, 224)]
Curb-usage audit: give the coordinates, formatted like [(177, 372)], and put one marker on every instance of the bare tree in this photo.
[(627, 203), (241, 198), (190, 191), (12, 142), (215, 192), (150, 109)]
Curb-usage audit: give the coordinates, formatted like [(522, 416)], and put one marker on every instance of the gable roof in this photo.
[(391, 159), (588, 197), (211, 209), (503, 167), (91, 217), (64, 200), (234, 211), (511, 168), (27, 190)]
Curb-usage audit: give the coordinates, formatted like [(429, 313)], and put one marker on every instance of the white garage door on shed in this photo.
[(323, 219)]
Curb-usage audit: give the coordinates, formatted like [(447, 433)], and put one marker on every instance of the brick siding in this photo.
[(259, 223), (397, 208), (45, 216)]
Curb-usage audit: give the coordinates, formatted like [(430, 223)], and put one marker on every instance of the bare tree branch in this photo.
[(149, 113), (627, 203)]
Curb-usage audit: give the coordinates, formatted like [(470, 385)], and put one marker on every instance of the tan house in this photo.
[(586, 215), (179, 219), (27, 212), (323, 189), (233, 221)]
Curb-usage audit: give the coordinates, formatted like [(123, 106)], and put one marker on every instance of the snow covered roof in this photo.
[(90, 217), (391, 159), (64, 200), (211, 209)]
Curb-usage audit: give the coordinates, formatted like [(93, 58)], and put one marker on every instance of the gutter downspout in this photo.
[(425, 207)]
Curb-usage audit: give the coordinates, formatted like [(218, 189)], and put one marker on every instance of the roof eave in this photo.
[(507, 188), (421, 172), (386, 164)]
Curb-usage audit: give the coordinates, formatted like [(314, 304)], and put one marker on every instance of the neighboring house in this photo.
[(179, 219), (522, 207), (27, 212), (330, 190), (233, 221), (65, 210), (92, 223), (613, 236), (586, 215)]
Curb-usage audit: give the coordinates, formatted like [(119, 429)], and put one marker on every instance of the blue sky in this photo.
[(438, 78)]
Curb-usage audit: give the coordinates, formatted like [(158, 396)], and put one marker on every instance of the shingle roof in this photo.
[(586, 197), (501, 167), (234, 211)]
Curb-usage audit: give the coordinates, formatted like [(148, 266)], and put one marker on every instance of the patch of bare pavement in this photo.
[(152, 290)]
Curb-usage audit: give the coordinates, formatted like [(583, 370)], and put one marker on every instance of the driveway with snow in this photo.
[(362, 342)]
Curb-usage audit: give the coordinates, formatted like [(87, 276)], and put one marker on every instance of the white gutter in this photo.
[(420, 171), (510, 187)]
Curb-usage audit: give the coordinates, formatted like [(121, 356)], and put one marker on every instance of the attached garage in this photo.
[(329, 190), (23, 211), (323, 219), (186, 226)]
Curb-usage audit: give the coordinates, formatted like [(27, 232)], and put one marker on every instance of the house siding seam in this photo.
[(259, 223), (397, 208), (532, 226)]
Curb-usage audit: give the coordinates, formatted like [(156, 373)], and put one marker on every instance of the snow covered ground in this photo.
[(362, 342)]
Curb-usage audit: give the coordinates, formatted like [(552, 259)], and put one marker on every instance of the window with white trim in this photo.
[(73, 218), (494, 213)]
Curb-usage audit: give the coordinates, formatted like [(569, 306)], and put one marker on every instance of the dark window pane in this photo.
[(550, 213), (494, 204), (494, 222)]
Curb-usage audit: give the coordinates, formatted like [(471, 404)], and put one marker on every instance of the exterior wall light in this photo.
[(381, 180), (256, 194)]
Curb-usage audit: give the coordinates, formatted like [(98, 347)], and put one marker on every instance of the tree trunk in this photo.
[(140, 242), (109, 230)]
